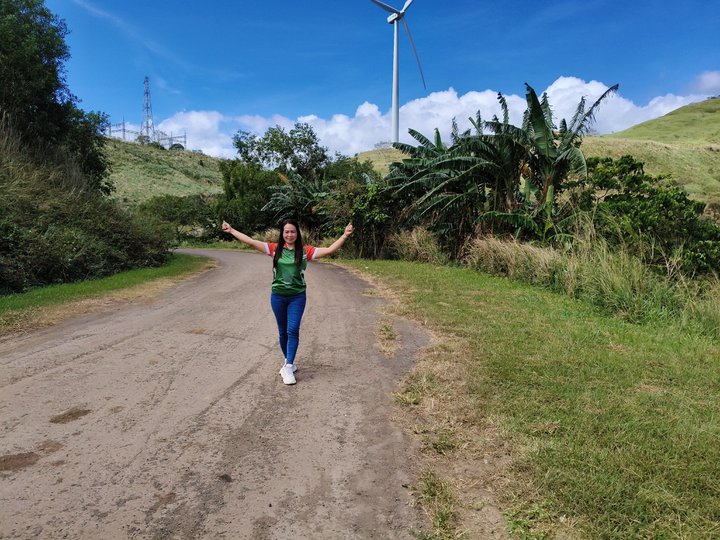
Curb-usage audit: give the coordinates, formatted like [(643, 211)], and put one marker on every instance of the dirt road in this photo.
[(168, 419)]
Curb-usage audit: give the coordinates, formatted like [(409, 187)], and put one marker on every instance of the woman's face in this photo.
[(289, 234)]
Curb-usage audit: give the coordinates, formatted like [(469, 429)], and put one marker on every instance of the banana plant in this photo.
[(553, 156)]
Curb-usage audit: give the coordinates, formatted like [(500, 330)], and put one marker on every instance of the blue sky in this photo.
[(220, 66)]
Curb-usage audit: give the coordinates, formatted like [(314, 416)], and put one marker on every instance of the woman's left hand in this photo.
[(348, 230)]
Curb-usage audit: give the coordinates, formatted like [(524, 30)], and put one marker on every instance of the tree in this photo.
[(33, 91), (441, 186), (32, 72), (553, 156), (246, 189), (297, 150), (509, 177)]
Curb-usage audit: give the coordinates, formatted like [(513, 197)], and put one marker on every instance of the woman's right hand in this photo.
[(226, 227)]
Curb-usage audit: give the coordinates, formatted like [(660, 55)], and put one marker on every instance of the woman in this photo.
[(287, 297)]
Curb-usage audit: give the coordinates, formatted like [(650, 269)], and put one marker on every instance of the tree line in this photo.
[(57, 223), (529, 182)]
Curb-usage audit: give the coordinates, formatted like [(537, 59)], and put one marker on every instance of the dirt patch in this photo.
[(18, 322), (70, 415), (165, 498), (49, 447), (14, 462)]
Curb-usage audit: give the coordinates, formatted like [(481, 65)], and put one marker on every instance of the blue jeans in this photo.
[(288, 312)]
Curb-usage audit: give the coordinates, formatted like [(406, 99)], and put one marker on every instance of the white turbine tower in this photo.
[(395, 17)]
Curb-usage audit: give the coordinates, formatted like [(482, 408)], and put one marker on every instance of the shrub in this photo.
[(526, 262), (653, 220), (56, 227), (418, 245), (190, 217), (613, 280)]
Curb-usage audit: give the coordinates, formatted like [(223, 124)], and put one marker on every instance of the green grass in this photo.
[(382, 158), (58, 294), (615, 425), (695, 123), (141, 172), (436, 496), (694, 166)]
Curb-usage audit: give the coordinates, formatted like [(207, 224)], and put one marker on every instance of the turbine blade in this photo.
[(407, 29), (385, 7), (407, 5)]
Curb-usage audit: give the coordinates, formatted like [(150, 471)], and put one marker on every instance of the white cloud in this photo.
[(212, 132), (616, 113), (206, 130), (708, 82)]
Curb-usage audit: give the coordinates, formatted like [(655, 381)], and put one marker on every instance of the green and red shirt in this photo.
[(288, 280)]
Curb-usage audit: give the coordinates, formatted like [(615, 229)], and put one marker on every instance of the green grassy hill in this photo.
[(696, 167), (141, 172), (684, 144), (698, 123), (381, 159)]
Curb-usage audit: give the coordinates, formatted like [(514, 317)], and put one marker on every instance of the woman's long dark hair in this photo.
[(299, 248)]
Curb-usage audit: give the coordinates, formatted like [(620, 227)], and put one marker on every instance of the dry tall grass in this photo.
[(613, 280), (418, 245)]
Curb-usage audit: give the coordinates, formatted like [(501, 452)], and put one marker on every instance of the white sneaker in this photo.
[(286, 372), (294, 366)]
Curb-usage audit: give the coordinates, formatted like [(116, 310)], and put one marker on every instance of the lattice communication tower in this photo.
[(148, 125), (148, 133)]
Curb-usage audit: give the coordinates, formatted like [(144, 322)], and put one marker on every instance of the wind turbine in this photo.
[(395, 17)]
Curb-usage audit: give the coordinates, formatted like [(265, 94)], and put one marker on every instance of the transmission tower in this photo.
[(148, 126)]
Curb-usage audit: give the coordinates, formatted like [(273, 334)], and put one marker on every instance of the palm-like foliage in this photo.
[(300, 198), (512, 174), (441, 185), (553, 156)]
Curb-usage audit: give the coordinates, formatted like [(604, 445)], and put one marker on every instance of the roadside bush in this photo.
[(703, 311), (522, 261), (620, 283), (653, 220), (190, 217), (615, 281), (418, 245), (359, 196), (56, 227)]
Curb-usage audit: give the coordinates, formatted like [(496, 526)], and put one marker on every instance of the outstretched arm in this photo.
[(244, 238), (323, 252)]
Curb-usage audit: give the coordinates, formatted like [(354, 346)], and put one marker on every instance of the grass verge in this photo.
[(47, 305), (580, 424)]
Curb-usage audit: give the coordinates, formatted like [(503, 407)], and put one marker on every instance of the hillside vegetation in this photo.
[(697, 123), (684, 144), (57, 224), (140, 172)]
